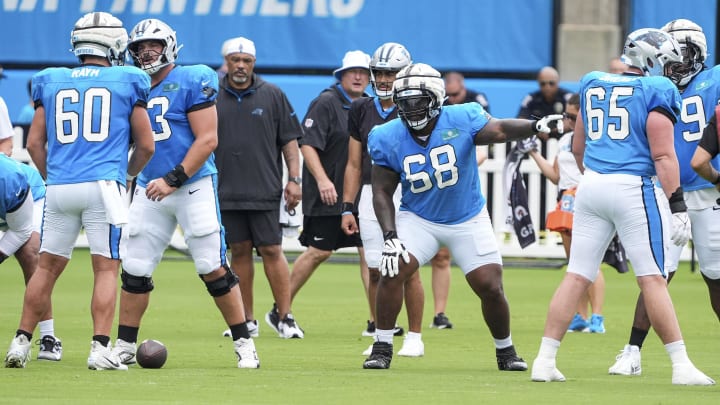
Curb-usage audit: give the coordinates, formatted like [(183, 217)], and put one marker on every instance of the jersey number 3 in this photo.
[(442, 160)]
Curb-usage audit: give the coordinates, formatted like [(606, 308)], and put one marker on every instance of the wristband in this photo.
[(347, 207), (346, 213), (129, 177), (717, 179), (533, 126), (677, 202), (390, 235), (176, 177)]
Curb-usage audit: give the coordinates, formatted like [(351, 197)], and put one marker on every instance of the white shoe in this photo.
[(289, 329), (125, 351), (546, 371), (412, 348), (246, 354), (627, 362), (102, 358), (252, 326), (50, 348), (19, 352), (687, 374), (368, 351)]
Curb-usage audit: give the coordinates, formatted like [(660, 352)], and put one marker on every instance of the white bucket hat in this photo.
[(352, 60)]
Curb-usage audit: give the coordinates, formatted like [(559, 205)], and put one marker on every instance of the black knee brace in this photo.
[(135, 284), (222, 285)]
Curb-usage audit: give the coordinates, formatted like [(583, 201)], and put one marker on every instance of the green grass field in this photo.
[(326, 367)]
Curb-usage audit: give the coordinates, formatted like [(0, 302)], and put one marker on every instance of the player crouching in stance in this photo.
[(430, 151)]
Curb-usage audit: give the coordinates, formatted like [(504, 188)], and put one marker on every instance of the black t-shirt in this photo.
[(365, 114), (253, 126), (325, 128), (534, 105)]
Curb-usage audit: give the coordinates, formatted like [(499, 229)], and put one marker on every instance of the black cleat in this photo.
[(441, 321), (380, 357), (508, 360)]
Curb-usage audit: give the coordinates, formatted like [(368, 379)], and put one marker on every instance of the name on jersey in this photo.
[(85, 72)]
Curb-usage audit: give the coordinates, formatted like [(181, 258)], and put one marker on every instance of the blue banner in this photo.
[(655, 13), (507, 36)]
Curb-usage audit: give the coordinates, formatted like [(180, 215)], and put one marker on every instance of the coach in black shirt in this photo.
[(256, 128)]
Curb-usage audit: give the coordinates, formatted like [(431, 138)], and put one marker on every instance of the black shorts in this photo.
[(261, 227), (324, 233)]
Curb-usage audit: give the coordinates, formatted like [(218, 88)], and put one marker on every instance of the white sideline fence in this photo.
[(548, 245)]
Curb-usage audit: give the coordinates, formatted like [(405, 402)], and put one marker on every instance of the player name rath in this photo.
[(86, 72)]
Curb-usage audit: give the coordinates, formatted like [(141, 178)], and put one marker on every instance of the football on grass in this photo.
[(151, 354)]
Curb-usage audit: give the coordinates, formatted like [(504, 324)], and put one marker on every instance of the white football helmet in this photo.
[(418, 92), (100, 34), (653, 51), (389, 57), (153, 29), (694, 49)]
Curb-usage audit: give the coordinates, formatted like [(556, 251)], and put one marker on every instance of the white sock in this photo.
[(413, 336), (548, 348), (677, 352), (384, 335), (503, 343), (47, 328)]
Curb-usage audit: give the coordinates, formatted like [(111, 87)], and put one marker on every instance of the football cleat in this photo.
[(508, 360), (380, 357), (19, 352), (50, 348)]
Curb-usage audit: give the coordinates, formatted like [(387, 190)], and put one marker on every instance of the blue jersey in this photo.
[(37, 184), (698, 102), (440, 181), (87, 115), (13, 185), (185, 89), (614, 109)]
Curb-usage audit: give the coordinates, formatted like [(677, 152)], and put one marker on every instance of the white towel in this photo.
[(289, 220), (116, 207)]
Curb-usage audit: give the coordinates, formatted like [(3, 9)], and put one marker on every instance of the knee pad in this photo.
[(222, 285), (135, 284)]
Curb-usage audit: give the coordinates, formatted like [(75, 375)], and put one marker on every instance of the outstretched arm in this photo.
[(513, 129)]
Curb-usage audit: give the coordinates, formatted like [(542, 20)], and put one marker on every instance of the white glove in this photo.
[(392, 252), (680, 229), (546, 123), (527, 144)]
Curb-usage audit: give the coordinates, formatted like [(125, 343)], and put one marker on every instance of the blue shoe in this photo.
[(596, 324), (578, 324)]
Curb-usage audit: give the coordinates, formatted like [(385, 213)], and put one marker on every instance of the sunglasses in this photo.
[(549, 83)]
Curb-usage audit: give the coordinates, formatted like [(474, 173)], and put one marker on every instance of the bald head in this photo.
[(455, 87), (548, 79)]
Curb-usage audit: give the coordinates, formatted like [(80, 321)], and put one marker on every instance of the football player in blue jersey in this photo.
[(87, 117), (430, 150), (27, 253), (700, 91), (623, 139), (178, 186)]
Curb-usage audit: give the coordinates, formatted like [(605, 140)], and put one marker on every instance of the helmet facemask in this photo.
[(416, 108), (383, 89), (151, 61), (153, 30), (682, 73)]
